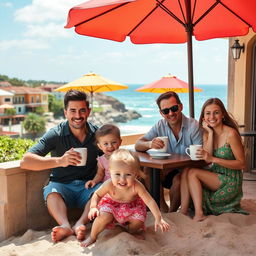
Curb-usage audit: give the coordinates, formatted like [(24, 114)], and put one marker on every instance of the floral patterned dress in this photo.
[(227, 198), (123, 212)]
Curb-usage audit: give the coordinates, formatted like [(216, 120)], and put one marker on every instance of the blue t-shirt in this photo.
[(60, 139), (190, 133)]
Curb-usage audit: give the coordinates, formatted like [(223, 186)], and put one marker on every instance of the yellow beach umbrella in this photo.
[(92, 83)]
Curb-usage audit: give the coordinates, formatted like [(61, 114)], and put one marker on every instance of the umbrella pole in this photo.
[(190, 77), (189, 29), (92, 104)]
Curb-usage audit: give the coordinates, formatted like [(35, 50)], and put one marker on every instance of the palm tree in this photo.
[(34, 124)]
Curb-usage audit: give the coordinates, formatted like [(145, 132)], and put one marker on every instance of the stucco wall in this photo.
[(240, 88)]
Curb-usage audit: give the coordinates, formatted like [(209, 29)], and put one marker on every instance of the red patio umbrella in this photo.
[(164, 21), (165, 84)]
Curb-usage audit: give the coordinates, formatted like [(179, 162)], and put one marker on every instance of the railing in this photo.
[(21, 200)]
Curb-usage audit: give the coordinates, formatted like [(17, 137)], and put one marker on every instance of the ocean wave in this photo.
[(145, 109), (148, 116), (133, 129)]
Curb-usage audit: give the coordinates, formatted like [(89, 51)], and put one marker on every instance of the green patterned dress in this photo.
[(227, 198)]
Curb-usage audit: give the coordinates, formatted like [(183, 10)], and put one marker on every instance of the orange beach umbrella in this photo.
[(167, 83)]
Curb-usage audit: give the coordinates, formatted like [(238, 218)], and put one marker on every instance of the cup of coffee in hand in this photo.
[(191, 151), (166, 141), (83, 154)]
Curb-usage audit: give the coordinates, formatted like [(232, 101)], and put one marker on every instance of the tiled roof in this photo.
[(5, 93), (5, 83), (24, 90), (53, 86)]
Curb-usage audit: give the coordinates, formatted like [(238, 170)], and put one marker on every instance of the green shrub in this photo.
[(13, 149), (97, 109)]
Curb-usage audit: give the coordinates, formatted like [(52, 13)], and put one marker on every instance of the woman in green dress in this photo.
[(217, 189)]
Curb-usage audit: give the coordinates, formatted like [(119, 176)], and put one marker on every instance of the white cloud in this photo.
[(23, 44), (41, 11), (50, 30)]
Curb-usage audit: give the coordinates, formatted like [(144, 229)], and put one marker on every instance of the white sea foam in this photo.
[(129, 129), (145, 109)]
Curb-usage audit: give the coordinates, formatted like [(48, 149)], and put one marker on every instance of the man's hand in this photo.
[(157, 143), (90, 184), (71, 157)]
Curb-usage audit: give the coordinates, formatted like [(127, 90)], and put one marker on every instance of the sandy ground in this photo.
[(227, 234)]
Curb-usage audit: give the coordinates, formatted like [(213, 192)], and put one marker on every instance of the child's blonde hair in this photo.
[(128, 158)]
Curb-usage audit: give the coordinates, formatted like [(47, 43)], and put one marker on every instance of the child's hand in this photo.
[(93, 213), (163, 225), (90, 184)]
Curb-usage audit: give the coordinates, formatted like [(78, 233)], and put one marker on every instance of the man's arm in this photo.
[(143, 144), (35, 162)]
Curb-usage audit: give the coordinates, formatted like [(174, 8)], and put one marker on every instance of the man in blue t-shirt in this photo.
[(66, 186), (181, 132)]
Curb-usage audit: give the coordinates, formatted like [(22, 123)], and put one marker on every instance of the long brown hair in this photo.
[(227, 118)]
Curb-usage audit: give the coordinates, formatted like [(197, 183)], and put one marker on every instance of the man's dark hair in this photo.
[(166, 96), (75, 95)]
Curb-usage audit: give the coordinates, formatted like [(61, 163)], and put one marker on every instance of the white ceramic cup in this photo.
[(83, 153), (165, 139), (191, 151)]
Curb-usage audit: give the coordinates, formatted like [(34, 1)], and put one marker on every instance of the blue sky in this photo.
[(35, 45)]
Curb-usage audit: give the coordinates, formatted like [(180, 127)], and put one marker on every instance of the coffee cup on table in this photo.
[(165, 139), (191, 151), (83, 154)]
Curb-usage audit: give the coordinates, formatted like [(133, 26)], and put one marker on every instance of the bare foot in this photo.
[(87, 242), (61, 232), (80, 231), (183, 212), (139, 236), (199, 218)]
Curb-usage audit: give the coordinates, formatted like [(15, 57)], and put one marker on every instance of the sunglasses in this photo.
[(166, 111)]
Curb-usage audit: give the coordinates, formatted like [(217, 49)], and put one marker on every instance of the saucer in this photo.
[(159, 155)]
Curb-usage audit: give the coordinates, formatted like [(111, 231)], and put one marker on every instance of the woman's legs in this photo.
[(98, 226), (197, 178), (184, 192)]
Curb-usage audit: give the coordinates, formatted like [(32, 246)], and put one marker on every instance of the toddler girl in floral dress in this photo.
[(122, 199)]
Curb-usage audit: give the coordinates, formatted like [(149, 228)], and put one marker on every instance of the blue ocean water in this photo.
[(145, 104)]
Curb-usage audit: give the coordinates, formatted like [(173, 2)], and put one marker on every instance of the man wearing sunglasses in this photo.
[(181, 132)]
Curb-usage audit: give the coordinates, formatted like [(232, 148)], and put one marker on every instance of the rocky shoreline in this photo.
[(111, 111)]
